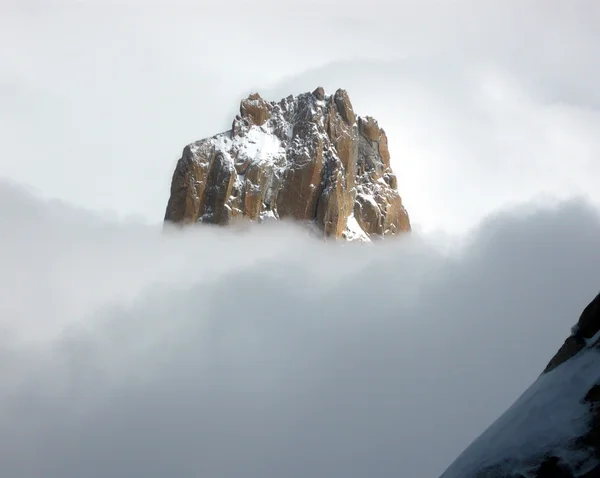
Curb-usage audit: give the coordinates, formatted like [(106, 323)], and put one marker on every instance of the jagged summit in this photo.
[(306, 157)]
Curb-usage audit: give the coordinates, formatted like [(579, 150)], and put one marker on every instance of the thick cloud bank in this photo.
[(128, 352)]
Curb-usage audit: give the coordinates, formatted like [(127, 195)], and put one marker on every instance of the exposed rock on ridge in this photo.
[(308, 158)]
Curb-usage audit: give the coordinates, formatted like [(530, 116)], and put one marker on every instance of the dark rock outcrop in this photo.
[(308, 158)]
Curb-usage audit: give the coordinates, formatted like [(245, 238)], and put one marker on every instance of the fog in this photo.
[(132, 351)]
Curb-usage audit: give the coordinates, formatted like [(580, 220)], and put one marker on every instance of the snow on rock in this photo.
[(354, 232), (306, 157), (552, 430)]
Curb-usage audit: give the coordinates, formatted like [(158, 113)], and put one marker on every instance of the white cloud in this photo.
[(266, 353), (485, 102)]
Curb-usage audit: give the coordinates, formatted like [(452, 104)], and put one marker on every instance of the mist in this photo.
[(132, 351)]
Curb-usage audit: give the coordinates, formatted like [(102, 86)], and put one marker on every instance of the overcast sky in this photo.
[(218, 353), (485, 103)]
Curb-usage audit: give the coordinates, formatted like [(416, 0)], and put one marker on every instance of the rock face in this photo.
[(553, 429), (308, 158)]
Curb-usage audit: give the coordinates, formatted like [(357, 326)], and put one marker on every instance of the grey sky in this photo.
[(485, 103)]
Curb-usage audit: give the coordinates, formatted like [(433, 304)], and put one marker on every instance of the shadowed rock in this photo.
[(587, 326)]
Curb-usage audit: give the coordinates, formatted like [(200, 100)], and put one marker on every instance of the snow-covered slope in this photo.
[(553, 429), (306, 157)]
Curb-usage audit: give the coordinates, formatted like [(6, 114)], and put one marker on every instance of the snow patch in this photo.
[(354, 232), (256, 145), (267, 216), (370, 199)]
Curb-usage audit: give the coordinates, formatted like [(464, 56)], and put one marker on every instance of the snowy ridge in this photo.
[(549, 419)]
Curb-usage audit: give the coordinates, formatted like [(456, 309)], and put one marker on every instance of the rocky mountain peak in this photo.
[(306, 157)]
